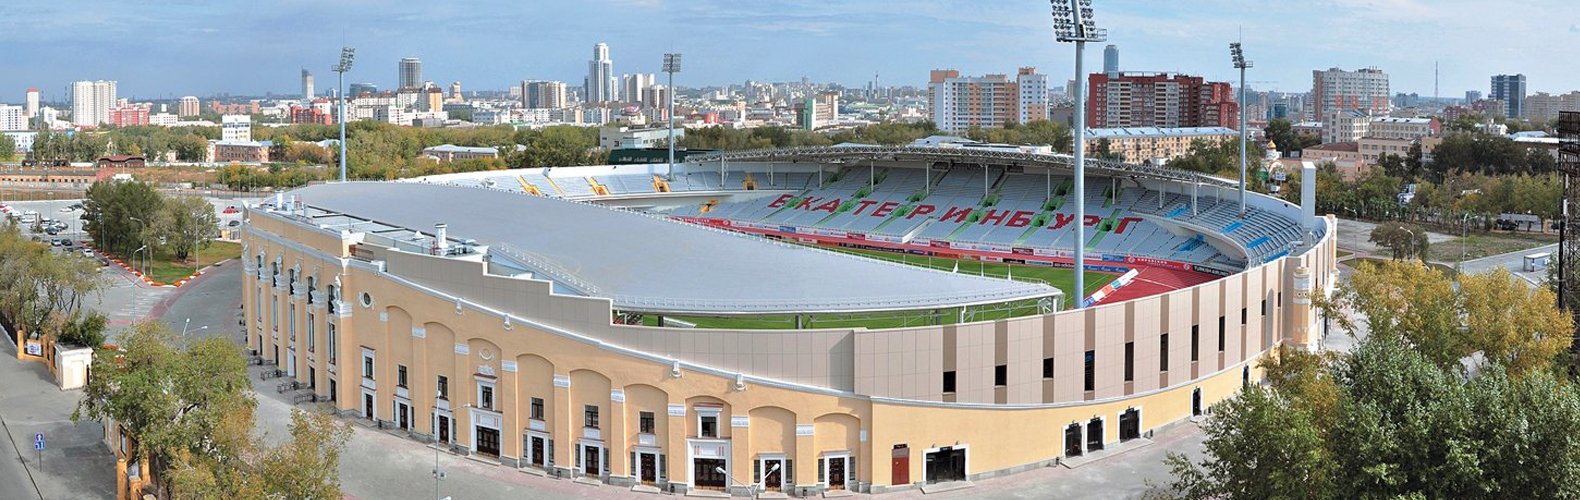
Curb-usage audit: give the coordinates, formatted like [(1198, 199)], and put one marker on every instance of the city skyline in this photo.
[(166, 50)]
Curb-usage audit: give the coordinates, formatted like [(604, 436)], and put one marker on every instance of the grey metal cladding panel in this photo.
[(641, 261)]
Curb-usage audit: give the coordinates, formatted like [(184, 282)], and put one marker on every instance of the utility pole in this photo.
[(1072, 22), (1242, 64), (671, 66)]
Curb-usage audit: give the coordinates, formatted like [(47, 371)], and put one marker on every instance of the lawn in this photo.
[(1063, 279), (1477, 246), (165, 269)]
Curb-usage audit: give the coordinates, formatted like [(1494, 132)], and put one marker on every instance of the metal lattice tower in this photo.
[(1569, 236)]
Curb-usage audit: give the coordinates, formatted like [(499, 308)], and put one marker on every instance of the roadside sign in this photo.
[(38, 441)]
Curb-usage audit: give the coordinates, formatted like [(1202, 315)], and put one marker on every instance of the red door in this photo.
[(901, 465)]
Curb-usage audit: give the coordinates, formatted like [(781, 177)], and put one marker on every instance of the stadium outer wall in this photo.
[(867, 401)]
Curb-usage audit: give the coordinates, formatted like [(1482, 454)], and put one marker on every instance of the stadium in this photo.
[(861, 318)]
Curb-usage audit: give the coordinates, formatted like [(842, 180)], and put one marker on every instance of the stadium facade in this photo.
[(503, 313)]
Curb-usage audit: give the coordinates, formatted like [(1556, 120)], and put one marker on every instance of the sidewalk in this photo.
[(76, 462)]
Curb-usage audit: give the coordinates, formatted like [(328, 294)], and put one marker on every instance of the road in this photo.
[(1514, 262)]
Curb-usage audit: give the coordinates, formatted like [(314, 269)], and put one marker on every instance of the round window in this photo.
[(367, 300)]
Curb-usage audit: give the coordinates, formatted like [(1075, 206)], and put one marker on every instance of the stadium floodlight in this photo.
[(1072, 22), (671, 66), (1238, 53), (347, 54)]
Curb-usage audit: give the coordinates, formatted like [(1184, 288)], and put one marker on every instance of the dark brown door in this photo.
[(707, 473), (367, 405), (836, 473), (537, 451), (444, 429), (649, 468), (774, 480), (590, 461), (405, 422), (901, 465), (487, 441)]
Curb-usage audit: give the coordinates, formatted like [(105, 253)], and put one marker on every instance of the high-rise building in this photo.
[(307, 85), (1472, 96), (817, 111), (633, 86), (958, 103), (91, 102), (1542, 106), (600, 84), (1511, 90), (126, 115), (1111, 61), (455, 92), (32, 103), (539, 94), (658, 95), (357, 89), (1159, 100), (1334, 90), (13, 117), (188, 106), (236, 128), (410, 73)]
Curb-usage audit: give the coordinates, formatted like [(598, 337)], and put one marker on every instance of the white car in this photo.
[(87, 252), (65, 209)]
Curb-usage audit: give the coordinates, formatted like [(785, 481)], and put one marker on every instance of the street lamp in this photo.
[(1241, 64), (1072, 22), (346, 55), (671, 66), (750, 488)]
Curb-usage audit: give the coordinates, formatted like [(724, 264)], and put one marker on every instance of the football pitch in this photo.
[(1063, 279)]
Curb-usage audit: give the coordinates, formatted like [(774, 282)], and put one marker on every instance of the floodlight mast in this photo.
[(346, 56), (1072, 22), (1238, 54), (671, 66)]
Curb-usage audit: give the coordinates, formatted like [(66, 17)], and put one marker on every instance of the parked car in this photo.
[(232, 210), (233, 223), (65, 242), (87, 252), (54, 242)]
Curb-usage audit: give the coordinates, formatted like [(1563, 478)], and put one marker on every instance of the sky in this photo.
[(170, 48)]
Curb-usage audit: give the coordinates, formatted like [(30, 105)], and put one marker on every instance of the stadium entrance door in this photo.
[(946, 464), (708, 475)]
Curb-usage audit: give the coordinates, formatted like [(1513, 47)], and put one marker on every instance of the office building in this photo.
[(188, 106), (1164, 100), (957, 103), (540, 94), (1511, 90), (1345, 126), (655, 97), (410, 73), (817, 111), (600, 84), (1111, 61), (455, 92), (91, 102), (13, 117), (633, 86), (236, 128), (32, 102), (356, 89), (307, 85), (1334, 90), (1472, 96)]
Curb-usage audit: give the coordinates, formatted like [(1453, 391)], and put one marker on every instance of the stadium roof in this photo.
[(648, 263)]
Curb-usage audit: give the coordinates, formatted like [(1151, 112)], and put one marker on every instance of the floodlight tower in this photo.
[(1241, 64), (1072, 22), (671, 66), (346, 55)]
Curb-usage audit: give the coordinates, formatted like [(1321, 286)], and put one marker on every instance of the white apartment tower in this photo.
[(13, 117), (188, 106), (91, 102), (632, 88), (957, 103), (1336, 90), (600, 84), (32, 102)]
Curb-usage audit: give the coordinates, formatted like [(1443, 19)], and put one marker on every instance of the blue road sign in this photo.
[(38, 441)]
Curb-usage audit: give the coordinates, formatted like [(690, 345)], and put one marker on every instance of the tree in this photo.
[(37, 288), (186, 402), (1400, 426), (184, 225), (7, 147), (1406, 242), (116, 214), (1494, 314)]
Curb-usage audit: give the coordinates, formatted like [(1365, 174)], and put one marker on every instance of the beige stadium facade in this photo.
[(546, 382)]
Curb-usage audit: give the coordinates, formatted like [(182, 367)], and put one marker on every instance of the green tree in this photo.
[(7, 147)]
